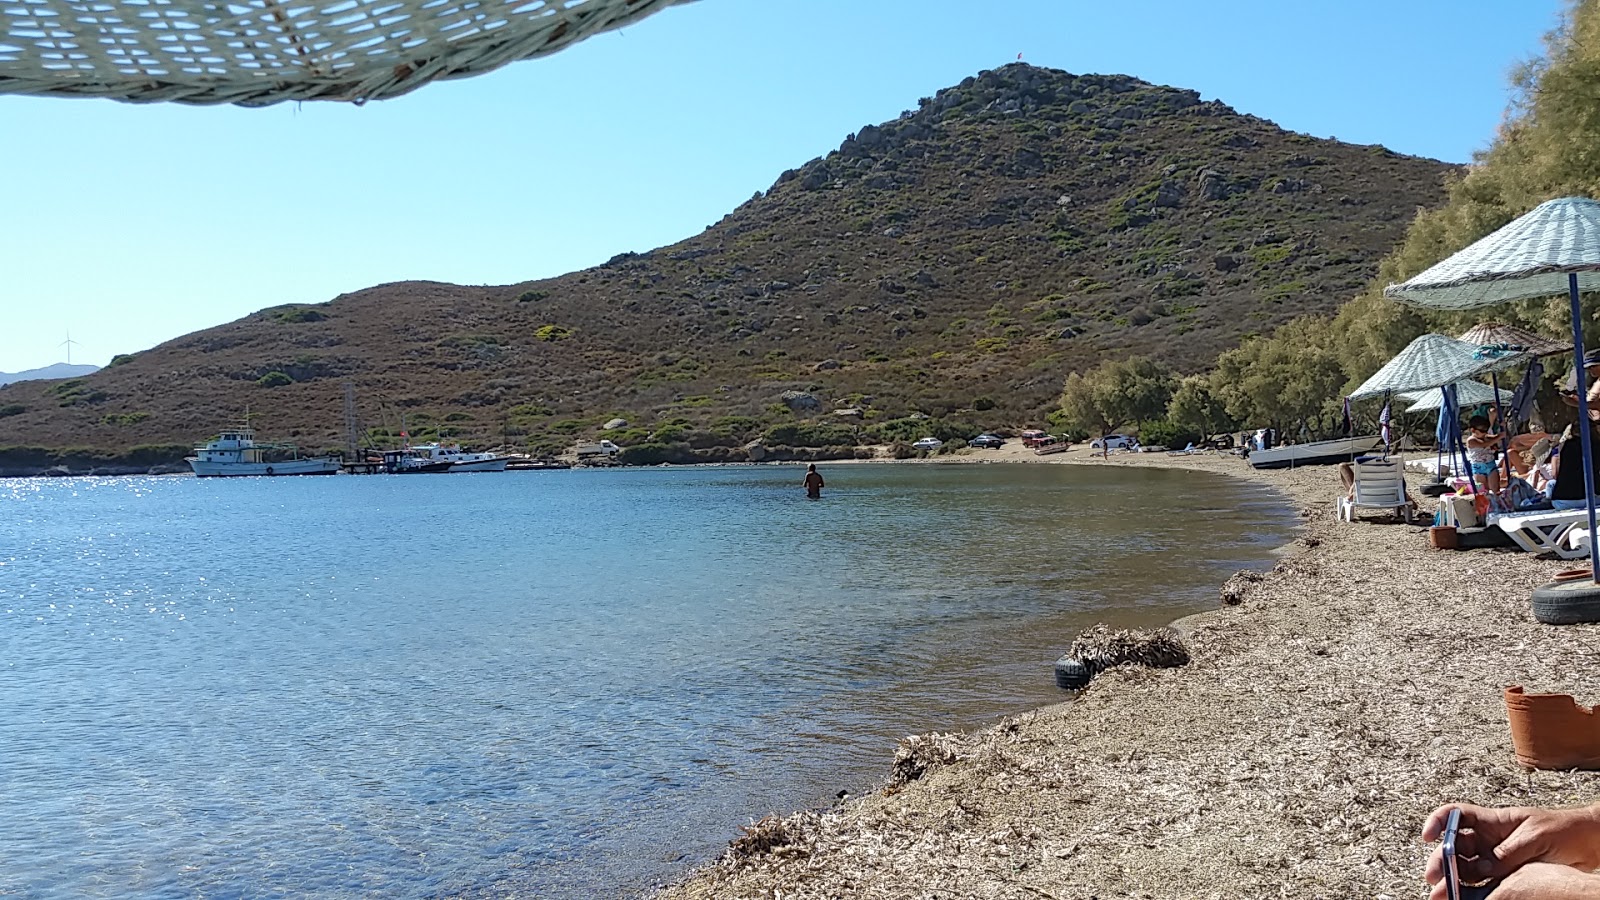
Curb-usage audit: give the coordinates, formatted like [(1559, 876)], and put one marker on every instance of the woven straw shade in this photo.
[(259, 52), (1468, 393), (1530, 257), (1495, 334), (1432, 361)]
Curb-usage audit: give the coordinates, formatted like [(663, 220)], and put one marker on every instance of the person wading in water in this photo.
[(813, 482)]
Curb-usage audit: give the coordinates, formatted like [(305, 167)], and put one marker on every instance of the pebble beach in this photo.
[(1329, 707)]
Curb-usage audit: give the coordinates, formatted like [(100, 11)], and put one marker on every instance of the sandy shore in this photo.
[(1356, 687)]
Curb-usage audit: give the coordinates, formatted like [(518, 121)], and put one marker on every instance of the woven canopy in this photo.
[(1431, 361), (1530, 257), (1468, 393), (1495, 334), (258, 52)]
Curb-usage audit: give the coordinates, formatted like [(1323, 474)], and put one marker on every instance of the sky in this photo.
[(129, 225)]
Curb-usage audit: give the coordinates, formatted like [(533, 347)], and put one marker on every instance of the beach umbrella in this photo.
[(1434, 360), (1553, 248), (1468, 393), (258, 52), (1497, 334)]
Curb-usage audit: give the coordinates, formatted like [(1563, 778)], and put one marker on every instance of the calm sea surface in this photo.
[(560, 684)]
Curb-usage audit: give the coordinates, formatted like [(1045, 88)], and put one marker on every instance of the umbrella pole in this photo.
[(1505, 436), (1583, 421)]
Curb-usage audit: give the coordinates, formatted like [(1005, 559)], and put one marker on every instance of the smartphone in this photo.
[(1447, 845), (1453, 888)]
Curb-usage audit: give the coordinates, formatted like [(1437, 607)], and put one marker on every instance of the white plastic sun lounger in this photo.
[(1380, 484), (1545, 531)]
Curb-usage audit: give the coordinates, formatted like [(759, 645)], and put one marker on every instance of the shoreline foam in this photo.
[(1355, 687)]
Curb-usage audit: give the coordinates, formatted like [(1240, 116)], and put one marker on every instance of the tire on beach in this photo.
[(1072, 674), (269, 470), (1571, 602)]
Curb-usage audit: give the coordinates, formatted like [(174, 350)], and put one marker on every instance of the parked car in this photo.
[(1032, 437), (991, 441), (927, 443), (1113, 442)]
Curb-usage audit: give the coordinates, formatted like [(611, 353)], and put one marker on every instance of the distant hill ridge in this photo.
[(961, 259), (54, 370)]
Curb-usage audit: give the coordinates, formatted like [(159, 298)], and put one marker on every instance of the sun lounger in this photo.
[(1546, 531), (1380, 484)]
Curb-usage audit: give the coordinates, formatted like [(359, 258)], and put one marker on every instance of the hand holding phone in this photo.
[(1453, 888)]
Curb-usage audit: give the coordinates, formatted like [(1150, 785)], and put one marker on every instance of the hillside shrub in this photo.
[(274, 379), (551, 333), (296, 314), (653, 454), (120, 359), (12, 409), (532, 296), (132, 418), (912, 429), (75, 392), (810, 434)]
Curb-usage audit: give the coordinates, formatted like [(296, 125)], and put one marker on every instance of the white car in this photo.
[(928, 443), (1113, 442)]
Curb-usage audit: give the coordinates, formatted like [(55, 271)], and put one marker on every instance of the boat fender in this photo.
[(1072, 674), (269, 470)]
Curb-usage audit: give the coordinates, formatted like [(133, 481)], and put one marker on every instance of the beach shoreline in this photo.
[(1356, 686)]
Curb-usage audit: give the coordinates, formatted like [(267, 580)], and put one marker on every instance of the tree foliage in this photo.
[(1195, 408), (1548, 146), (1116, 393)]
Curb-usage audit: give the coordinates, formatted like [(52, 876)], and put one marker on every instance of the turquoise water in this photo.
[(558, 684)]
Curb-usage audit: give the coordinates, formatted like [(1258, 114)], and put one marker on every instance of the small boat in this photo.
[(409, 462), (459, 460), (237, 453), (1050, 444), (1317, 453)]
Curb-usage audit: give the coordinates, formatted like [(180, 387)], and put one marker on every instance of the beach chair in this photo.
[(1546, 531), (1380, 484)]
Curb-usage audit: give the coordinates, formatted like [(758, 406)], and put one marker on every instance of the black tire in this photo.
[(1434, 490), (1567, 602), (1072, 674), (269, 470)]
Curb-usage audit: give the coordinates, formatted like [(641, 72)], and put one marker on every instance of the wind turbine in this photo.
[(68, 344)]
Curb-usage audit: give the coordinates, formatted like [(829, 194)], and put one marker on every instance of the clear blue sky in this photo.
[(131, 225)]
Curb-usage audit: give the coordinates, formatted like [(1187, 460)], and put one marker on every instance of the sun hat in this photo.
[(1590, 360)]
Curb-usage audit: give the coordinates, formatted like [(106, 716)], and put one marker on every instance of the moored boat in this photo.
[(460, 460), (236, 453), (1315, 453)]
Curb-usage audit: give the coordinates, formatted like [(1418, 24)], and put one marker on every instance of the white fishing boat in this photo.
[(460, 460), (1316, 453), (237, 453)]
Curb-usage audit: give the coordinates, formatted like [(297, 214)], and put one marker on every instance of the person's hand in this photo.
[(1543, 881), (1493, 843)]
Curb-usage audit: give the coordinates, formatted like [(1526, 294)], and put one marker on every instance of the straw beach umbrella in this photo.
[(1497, 334), (1433, 361), (1468, 393), (258, 52), (1551, 249)]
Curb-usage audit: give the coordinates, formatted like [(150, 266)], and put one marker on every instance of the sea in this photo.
[(562, 684)]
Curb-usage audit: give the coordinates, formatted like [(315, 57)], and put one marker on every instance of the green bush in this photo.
[(532, 296), (76, 393), (912, 429), (12, 409), (120, 359), (654, 454), (674, 433), (1160, 431), (274, 379), (983, 403), (810, 434), (550, 333), (294, 314)]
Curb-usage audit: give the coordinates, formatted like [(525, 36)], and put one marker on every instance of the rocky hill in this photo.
[(959, 260), (54, 370)]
